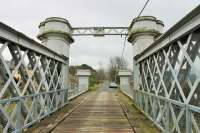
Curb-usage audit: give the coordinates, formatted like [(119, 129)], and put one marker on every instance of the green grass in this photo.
[(94, 87), (144, 125)]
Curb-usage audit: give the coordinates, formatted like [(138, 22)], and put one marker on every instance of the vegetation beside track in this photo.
[(140, 122), (95, 87)]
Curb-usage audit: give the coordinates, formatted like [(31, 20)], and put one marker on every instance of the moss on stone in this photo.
[(57, 19), (46, 32), (141, 31)]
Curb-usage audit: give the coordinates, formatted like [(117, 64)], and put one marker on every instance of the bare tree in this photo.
[(116, 63), (101, 73)]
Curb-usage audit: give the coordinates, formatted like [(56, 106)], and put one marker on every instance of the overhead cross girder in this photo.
[(99, 31)]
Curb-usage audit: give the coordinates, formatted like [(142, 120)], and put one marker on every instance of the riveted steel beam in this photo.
[(99, 31)]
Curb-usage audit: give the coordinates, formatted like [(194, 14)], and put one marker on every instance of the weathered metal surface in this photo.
[(100, 112), (17, 38), (42, 88), (168, 78), (166, 85), (99, 31), (50, 122)]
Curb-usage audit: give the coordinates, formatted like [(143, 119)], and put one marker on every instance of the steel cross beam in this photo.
[(99, 31)]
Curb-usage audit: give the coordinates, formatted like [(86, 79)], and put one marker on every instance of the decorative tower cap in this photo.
[(124, 73), (145, 25), (83, 72), (55, 26), (142, 18), (160, 22)]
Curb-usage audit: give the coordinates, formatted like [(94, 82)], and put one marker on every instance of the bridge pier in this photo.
[(55, 33), (125, 82), (83, 79), (143, 32), (166, 72)]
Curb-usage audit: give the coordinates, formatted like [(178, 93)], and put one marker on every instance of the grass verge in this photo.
[(94, 87), (141, 123)]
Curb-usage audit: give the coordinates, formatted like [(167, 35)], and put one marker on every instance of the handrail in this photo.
[(9, 34), (167, 80)]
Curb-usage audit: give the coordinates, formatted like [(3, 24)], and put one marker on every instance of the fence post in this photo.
[(136, 74), (18, 115), (188, 119), (65, 69), (167, 125)]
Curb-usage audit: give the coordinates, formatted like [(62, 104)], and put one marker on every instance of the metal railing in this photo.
[(40, 87), (75, 91), (167, 78), (127, 90)]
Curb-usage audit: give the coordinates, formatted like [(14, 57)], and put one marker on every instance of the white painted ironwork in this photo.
[(32, 80), (99, 31), (167, 76), (75, 91)]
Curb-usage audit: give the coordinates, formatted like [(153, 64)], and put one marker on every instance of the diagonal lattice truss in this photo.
[(99, 31), (36, 93), (169, 88)]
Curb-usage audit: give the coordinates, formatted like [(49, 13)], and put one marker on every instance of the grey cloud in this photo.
[(25, 16)]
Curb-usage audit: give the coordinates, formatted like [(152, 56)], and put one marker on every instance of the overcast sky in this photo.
[(25, 15)]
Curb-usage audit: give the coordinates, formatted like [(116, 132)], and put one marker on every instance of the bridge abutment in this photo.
[(83, 79), (55, 33), (143, 32), (125, 81)]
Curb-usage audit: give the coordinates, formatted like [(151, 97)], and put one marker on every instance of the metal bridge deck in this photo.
[(100, 112)]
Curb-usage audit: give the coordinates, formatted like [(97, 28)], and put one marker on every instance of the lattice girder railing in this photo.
[(168, 90), (28, 63), (126, 89), (40, 88), (75, 90)]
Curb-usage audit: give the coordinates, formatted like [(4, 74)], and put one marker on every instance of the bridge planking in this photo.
[(100, 112)]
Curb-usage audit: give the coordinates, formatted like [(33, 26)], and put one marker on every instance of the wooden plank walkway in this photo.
[(100, 112)]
